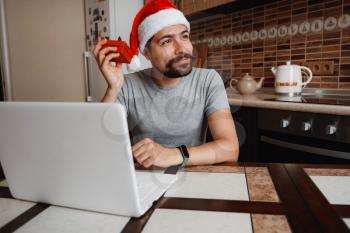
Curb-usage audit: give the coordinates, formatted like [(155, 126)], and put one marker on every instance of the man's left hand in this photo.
[(149, 153)]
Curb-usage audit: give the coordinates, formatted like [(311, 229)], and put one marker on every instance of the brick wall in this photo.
[(305, 32)]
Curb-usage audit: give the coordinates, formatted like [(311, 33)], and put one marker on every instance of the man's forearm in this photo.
[(110, 96), (218, 151)]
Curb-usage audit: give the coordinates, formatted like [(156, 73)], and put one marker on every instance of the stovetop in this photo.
[(318, 96)]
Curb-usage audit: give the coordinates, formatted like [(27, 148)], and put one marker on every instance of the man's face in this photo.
[(171, 51)]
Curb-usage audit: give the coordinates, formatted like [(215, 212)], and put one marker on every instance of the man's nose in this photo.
[(179, 47)]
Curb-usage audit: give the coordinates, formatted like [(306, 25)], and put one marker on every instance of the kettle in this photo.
[(247, 84), (288, 78)]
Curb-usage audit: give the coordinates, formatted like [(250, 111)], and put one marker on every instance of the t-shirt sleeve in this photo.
[(123, 97), (216, 97)]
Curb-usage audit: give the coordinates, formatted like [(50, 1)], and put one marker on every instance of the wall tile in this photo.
[(257, 51)]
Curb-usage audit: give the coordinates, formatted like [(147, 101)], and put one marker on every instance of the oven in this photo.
[(300, 137)]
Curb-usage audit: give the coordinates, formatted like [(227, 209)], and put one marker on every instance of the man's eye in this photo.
[(166, 41), (186, 36)]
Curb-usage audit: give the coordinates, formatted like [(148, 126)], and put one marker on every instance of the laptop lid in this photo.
[(69, 154)]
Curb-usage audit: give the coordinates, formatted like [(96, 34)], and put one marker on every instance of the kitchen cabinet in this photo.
[(263, 138), (246, 123), (1, 84), (197, 9), (191, 6), (45, 46), (1, 88), (201, 53), (303, 137), (47, 56), (1, 99)]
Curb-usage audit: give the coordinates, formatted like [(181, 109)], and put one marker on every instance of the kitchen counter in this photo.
[(230, 197), (260, 99)]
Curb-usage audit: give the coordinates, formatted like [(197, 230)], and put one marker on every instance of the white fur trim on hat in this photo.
[(156, 22), (135, 64)]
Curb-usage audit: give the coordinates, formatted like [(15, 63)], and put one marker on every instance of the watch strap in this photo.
[(185, 155)]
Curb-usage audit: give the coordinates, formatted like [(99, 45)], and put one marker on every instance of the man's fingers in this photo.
[(109, 57), (99, 46), (103, 53), (146, 159), (108, 50), (148, 162), (144, 148), (141, 143), (143, 156), (137, 145), (142, 152)]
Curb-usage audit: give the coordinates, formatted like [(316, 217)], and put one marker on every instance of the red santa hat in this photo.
[(153, 17)]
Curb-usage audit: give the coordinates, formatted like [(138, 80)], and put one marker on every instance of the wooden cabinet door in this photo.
[(46, 46), (246, 123), (201, 53), (193, 6)]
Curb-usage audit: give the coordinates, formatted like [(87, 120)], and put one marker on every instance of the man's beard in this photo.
[(183, 70)]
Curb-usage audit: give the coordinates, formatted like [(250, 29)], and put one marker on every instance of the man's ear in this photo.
[(147, 53)]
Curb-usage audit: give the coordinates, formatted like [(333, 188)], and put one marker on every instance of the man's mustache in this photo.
[(179, 58)]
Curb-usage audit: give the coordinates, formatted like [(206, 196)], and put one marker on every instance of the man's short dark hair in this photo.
[(148, 44)]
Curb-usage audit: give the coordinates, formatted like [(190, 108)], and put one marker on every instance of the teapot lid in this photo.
[(288, 65), (247, 76)]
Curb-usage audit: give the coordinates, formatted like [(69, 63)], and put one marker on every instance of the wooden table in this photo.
[(282, 198)]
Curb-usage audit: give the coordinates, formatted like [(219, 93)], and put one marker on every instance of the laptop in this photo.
[(75, 155)]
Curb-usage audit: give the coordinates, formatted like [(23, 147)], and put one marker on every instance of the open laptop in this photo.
[(76, 155)]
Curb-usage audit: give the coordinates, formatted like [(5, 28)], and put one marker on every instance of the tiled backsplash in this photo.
[(254, 40)]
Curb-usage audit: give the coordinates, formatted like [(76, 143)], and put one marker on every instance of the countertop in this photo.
[(260, 99), (230, 197)]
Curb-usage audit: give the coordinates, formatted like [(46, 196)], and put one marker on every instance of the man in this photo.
[(171, 104)]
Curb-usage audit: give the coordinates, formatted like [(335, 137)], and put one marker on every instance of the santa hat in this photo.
[(153, 17)]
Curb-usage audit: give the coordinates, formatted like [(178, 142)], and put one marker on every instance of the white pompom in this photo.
[(135, 64)]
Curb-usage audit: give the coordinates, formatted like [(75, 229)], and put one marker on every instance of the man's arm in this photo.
[(224, 147), (110, 95), (113, 74)]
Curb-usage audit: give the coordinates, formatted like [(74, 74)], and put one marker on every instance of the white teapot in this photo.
[(288, 78)]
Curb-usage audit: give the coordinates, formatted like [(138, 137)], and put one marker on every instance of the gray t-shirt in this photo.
[(172, 116)]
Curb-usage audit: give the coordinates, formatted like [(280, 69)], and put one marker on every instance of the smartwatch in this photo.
[(185, 155)]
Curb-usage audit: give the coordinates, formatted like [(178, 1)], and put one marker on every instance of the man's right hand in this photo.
[(112, 74)]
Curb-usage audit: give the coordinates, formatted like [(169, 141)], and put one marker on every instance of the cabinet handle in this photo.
[(304, 148), (87, 66)]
